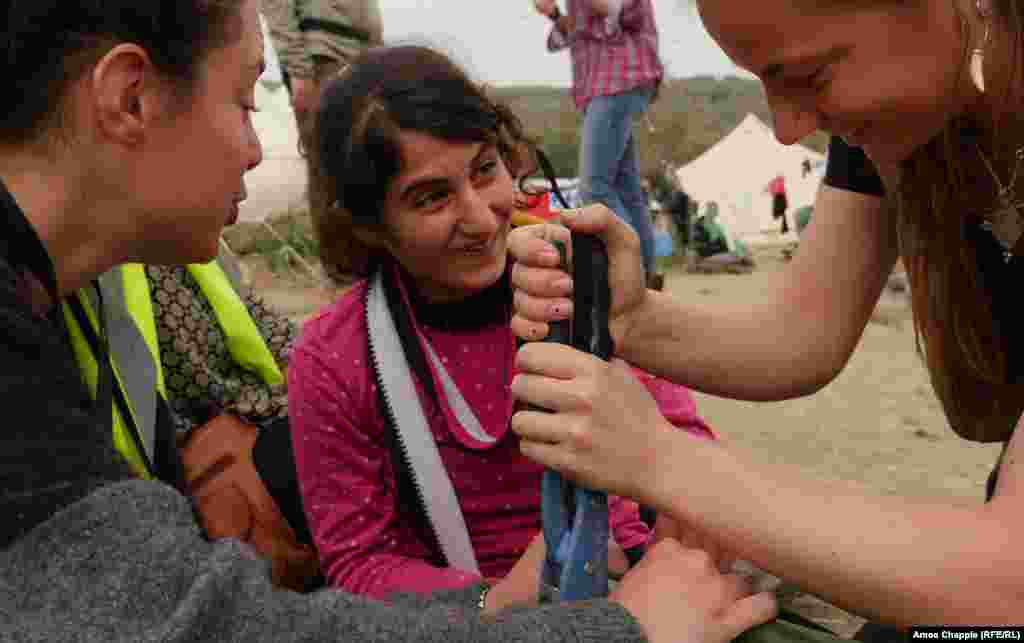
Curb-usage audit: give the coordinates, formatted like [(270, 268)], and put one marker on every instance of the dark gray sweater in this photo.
[(128, 563), (87, 553)]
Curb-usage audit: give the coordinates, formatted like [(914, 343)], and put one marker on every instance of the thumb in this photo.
[(601, 222), (747, 613)]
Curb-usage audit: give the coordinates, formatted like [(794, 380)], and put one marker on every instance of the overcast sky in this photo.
[(502, 41)]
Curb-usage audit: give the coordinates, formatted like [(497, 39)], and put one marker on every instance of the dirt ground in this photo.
[(878, 424)]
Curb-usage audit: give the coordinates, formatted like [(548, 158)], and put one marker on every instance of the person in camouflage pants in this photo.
[(314, 39)]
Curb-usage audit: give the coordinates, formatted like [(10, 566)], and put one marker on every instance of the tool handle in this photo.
[(555, 512), (585, 574), (591, 297), (575, 519)]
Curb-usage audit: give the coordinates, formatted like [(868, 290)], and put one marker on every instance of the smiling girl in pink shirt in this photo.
[(399, 392)]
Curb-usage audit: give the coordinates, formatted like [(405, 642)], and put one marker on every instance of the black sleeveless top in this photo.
[(850, 169)]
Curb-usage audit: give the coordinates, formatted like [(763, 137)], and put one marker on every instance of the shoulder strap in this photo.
[(137, 366), (407, 495), (549, 174), (107, 389), (161, 459), (415, 440)]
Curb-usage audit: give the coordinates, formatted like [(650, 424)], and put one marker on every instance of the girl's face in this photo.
[(447, 215), (880, 76), (190, 180)]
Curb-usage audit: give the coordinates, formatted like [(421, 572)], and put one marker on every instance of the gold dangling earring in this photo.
[(978, 54), (977, 69)]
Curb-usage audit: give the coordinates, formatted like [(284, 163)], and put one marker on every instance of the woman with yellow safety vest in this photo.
[(198, 363), (196, 338)]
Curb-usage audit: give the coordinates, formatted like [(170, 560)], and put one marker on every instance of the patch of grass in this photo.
[(664, 264), (296, 235)]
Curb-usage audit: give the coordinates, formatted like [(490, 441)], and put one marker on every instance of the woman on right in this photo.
[(923, 98)]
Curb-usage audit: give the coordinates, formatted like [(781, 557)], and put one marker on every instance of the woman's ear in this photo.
[(121, 82)]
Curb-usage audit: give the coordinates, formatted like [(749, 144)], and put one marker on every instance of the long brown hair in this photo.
[(356, 152), (944, 191)]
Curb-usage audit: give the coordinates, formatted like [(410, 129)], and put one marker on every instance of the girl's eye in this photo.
[(428, 200), (817, 80), (487, 168)]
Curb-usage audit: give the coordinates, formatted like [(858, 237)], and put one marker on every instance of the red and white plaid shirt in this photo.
[(610, 54)]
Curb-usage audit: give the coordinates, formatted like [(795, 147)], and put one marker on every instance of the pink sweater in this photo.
[(345, 472)]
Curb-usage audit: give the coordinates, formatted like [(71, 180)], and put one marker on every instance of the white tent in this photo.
[(735, 172), (275, 121)]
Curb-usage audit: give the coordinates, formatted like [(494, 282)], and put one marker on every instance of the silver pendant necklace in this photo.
[(1005, 222)]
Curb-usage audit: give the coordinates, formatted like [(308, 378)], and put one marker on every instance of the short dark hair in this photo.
[(46, 45), (355, 152)]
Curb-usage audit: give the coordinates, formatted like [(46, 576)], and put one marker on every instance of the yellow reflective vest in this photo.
[(135, 351)]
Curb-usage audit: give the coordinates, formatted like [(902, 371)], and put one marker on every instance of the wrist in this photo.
[(632, 325), (485, 602), (657, 480), (682, 464)]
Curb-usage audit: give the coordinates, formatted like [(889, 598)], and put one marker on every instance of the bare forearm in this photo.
[(799, 333), (888, 559), (753, 352)]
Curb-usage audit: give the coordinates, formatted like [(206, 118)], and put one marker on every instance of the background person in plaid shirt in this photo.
[(616, 72)]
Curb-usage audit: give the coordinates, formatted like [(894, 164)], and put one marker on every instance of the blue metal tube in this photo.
[(575, 519)]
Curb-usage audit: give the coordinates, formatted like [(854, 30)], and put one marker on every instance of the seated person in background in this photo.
[(714, 249), (411, 184), (200, 362), (709, 237), (224, 354), (803, 218), (203, 377)]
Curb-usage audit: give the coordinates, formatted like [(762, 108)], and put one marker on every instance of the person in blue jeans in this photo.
[(616, 72), (610, 165)]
